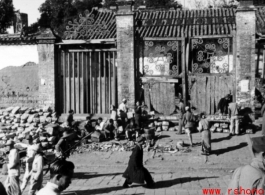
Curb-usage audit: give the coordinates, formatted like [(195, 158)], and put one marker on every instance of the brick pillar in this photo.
[(46, 70), (125, 52), (245, 63)]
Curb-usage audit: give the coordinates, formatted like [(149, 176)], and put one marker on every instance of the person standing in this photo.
[(205, 135), (189, 123), (181, 113), (12, 181), (61, 174), (138, 114), (223, 104), (70, 118), (136, 172), (114, 116), (37, 171), (123, 110), (63, 144), (263, 118), (233, 115), (250, 177), (29, 160)]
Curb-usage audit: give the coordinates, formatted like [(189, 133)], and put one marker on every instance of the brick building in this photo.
[(155, 56)]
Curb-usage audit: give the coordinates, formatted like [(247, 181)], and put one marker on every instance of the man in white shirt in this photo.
[(12, 181), (29, 160), (37, 171), (61, 173), (123, 109)]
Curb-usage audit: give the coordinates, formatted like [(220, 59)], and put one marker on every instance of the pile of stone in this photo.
[(18, 122)]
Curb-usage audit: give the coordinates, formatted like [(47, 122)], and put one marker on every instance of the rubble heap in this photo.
[(18, 122)]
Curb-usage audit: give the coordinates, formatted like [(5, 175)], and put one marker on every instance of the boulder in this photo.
[(24, 116), (42, 119), (30, 118), (47, 114), (9, 109), (46, 109), (48, 119), (23, 110), (15, 110)]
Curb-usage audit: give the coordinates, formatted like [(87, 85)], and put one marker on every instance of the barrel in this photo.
[(165, 125)]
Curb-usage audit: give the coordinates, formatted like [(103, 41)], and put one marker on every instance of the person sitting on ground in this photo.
[(109, 130), (205, 135), (100, 124), (70, 119), (189, 123), (61, 174), (12, 182), (85, 128), (250, 177), (130, 129)]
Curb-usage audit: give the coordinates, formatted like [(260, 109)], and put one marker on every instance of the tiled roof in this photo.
[(175, 23), (94, 25), (43, 36), (260, 21), (150, 23), (14, 39)]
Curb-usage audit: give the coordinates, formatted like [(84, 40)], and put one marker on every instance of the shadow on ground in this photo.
[(221, 139), (82, 175), (169, 183), (158, 185), (229, 149), (100, 191)]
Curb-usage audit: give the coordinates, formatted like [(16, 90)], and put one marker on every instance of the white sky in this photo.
[(30, 7)]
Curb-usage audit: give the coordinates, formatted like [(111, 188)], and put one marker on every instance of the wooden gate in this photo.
[(206, 91), (88, 80)]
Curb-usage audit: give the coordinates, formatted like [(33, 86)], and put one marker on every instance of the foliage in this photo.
[(148, 3), (6, 14), (54, 13)]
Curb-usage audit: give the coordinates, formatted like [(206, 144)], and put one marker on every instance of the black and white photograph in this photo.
[(132, 97)]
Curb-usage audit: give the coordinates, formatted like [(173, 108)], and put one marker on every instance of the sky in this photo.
[(30, 7)]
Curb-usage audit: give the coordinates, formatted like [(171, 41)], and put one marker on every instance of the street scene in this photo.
[(132, 97)]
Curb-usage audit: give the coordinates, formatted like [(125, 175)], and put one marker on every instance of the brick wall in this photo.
[(245, 66), (125, 55), (46, 75)]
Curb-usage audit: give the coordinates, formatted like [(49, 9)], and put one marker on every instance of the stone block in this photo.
[(15, 110)]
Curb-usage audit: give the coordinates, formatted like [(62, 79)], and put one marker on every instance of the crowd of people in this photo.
[(61, 171)]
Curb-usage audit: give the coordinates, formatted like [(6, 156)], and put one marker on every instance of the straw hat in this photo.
[(124, 100), (140, 139), (187, 108), (258, 143)]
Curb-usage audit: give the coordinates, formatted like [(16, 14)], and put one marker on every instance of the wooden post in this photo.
[(69, 83), (184, 91), (109, 62), (64, 83), (114, 80), (257, 64), (100, 87), (105, 108), (234, 65), (263, 67), (91, 92), (78, 84)]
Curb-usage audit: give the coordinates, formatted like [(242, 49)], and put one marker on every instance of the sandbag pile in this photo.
[(220, 127), (18, 122)]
